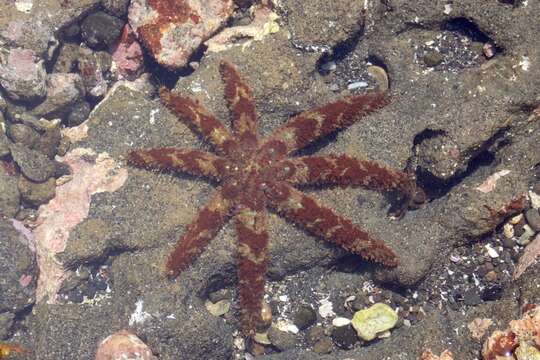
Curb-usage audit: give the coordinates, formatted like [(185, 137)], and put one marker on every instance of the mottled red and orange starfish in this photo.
[(256, 173)]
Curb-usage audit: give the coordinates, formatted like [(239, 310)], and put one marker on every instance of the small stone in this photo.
[(79, 113), (9, 195), (357, 85), (304, 317), (127, 55), (315, 334), (323, 346), (33, 164), (100, 30), (219, 308), (534, 194), (376, 319), (525, 238), (91, 70), (471, 297), (266, 315), (344, 337), (508, 231), (36, 194), (492, 293), (23, 75), (22, 134), (67, 58), (491, 251), (4, 144), (491, 276), (433, 58), (282, 340), (123, 345), (340, 321), (380, 76), (533, 219), (508, 242), (262, 338), (63, 90)]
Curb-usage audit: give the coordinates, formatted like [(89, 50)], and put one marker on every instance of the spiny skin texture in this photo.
[(256, 174)]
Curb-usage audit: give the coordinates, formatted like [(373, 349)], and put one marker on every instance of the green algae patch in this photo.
[(374, 320)]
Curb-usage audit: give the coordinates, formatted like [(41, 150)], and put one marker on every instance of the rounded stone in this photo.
[(22, 134), (533, 219), (79, 113), (123, 345), (344, 337), (323, 346), (304, 317), (282, 340), (374, 320), (100, 30)]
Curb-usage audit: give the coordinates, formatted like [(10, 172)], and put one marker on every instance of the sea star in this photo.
[(255, 174)]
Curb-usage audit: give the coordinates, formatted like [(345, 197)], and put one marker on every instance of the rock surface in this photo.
[(173, 30)]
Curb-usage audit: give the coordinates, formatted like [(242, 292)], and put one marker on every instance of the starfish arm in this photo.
[(344, 170), (200, 119), (241, 105), (194, 162), (252, 263), (321, 221), (308, 126), (204, 228)]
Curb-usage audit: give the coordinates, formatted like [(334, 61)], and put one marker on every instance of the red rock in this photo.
[(127, 55), (123, 345), (172, 30)]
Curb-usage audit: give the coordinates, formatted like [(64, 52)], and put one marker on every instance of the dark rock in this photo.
[(508, 243), (304, 317), (315, 334), (6, 320), (33, 164), (71, 31), (492, 293), (18, 268), (323, 346), (61, 169), (117, 8), (36, 194), (9, 194), (471, 297), (282, 340), (433, 58), (100, 30), (63, 90), (344, 337), (79, 113), (22, 134), (533, 219), (23, 76)]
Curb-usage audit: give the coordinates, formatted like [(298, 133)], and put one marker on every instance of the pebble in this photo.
[(357, 85), (100, 30), (380, 76), (33, 164), (525, 238), (315, 334), (516, 219), (508, 231), (4, 144), (123, 345), (36, 194), (492, 293), (262, 338), (374, 320), (323, 346), (533, 219), (221, 294), (491, 251), (304, 317), (433, 58), (340, 321), (266, 315), (508, 242), (23, 75), (219, 308), (63, 90), (344, 337), (127, 55), (66, 62), (282, 340), (491, 276)]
